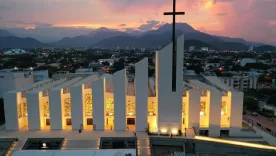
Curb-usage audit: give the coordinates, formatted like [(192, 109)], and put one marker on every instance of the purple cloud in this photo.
[(151, 24)]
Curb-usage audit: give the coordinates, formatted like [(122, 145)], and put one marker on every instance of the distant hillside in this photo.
[(86, 40), (160, 39), (17, 42), (229, 45), (197, 44), (4, 33), (265, 48)]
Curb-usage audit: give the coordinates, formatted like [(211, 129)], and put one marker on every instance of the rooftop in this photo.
[(131, 89)]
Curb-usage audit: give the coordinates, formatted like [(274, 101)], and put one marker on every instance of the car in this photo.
[(254, 113)]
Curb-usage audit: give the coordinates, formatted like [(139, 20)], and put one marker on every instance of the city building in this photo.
[(112, 102), (191, 48), (204, 48), (241, 82), (11, 79), (110, 61), (189, 72), (251, 48), (244, 61), (15, 52), (40, 75)]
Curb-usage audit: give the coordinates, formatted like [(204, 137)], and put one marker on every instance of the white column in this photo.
[(98, 90), (34, 115), (77, 107), (215, 112), (169, 102), (56, 109), (236, 112), (11, 102), (119, 79), (141, 94), (193, 108)]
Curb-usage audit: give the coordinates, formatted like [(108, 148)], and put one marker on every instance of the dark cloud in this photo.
[(150, 25), (122, 25), (1, 17)]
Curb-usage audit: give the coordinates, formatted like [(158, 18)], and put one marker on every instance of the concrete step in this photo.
[(143, 147)]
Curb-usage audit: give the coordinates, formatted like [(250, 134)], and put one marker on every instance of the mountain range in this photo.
[(104, 37)]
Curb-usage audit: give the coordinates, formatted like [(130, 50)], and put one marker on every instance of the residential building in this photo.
[(11, 79), (240, 82)]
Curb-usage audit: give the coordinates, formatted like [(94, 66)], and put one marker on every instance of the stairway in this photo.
[(143, 147)]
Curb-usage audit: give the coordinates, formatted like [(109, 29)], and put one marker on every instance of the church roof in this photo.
[(131, 89)]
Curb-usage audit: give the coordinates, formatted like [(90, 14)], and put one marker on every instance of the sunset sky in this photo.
[(251, 19)]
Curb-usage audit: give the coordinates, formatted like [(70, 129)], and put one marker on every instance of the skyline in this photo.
[(249, 19)]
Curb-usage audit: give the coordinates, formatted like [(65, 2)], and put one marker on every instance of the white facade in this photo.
[(241, 83), (14, 80), (41, 75), (112, 102)]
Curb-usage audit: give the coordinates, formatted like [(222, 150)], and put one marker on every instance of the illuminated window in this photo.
[(109, 106), (152, 108), (19, 110), (223, 108), (67, 106), (183, 108), (46, 109), (25, 108), (130, 108), (88, 105), (202, 108)]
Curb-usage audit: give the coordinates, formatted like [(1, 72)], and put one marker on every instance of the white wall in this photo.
[(215, 112), (169, 103), (77, 106), (13, 80), (236, 112), (193, 108), (11, 101), (98, 104), (141, 92), (41, 75), (119, 79), (56, 109), (34, 117)]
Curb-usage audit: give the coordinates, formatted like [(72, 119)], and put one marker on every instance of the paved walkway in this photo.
[(267, 137)]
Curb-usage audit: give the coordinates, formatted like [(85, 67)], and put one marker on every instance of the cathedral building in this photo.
[(104, 102)]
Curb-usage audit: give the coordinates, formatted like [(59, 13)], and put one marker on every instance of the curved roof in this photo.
[(15, 52)]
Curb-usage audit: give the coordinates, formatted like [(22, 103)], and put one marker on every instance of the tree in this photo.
[(272, 100), (105, 63), (119, 65), (251, 104)]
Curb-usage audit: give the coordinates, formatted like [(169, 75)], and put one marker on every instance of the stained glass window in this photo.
[(67, 106), (203, 107), (223, 108), (130, 108), (152, 108), (25, 109), (109, 106), (183, 107), (19, 110), (46, 109), (88, 105)]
